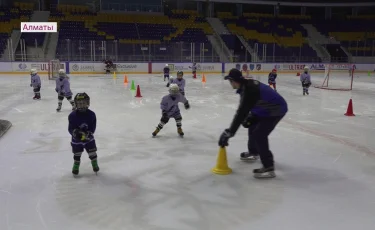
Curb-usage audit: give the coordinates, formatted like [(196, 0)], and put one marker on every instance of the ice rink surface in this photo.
[(325, 161)]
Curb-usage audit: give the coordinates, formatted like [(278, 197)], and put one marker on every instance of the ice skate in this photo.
[(75, 169), (58, 108), (157, 130), (35, 98), (180, 132), (246, 156), (95, 166), (264, 173), (307, 92)]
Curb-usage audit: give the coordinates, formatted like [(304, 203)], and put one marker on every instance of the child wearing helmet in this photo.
[(169, 108), (35, 83), (180, 81), (272, 79), (305, 80), (166, 71), (82, 126), (63, 90)]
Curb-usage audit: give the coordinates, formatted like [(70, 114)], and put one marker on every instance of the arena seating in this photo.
[(283, 36), (356, 33), (132, 31), (11, 18)]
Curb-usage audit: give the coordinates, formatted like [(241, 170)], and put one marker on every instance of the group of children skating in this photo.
[(305, 79), (82, 120)]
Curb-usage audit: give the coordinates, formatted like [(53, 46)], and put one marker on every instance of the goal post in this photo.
[(338, 77), (53, 69)]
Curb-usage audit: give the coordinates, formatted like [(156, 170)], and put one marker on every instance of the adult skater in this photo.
[(305, 80), (261, 108), (82, 126)]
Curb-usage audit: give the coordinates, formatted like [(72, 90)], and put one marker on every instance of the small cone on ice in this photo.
[(349, 111), (369, 73), (221, 167), (126, 79), (138, 92), (114, 75), (298, 74), (204, 79), (132, 86)]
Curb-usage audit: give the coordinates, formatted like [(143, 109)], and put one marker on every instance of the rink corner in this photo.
[(4, 127)]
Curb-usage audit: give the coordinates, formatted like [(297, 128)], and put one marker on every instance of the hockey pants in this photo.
[(258, 139)]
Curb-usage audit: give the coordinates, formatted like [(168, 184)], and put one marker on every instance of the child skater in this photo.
[(180, 81), (305, 80), (194, 70), (166, 72), (272, 79), (35, 83), (169, 109), (82, 126), (63, 90)]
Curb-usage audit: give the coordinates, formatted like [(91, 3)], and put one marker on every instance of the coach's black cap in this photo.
[(234, 75)]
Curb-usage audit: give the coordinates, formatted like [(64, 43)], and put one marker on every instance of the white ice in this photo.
[(325, 161)]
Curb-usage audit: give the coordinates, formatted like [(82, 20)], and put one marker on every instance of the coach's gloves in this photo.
[(224, 138), (247, 122), (187, 106)]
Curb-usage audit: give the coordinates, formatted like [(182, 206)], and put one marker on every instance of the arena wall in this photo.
[(156, 68)]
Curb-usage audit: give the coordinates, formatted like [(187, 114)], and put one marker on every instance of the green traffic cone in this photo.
[(369, 73), (133, 86)]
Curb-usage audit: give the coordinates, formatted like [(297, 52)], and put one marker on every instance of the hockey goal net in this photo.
[(338, 77), (53, 69)]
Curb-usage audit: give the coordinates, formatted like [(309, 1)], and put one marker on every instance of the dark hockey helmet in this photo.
[(180, 74), (82, 101)]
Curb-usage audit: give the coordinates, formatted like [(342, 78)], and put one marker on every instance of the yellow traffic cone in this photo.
[(221, 167), (114, 75)]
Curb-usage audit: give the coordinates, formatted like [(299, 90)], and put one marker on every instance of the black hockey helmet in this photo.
[(180, 73), (82, 101)]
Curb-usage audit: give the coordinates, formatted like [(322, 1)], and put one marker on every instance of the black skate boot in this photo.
[(58, 108), (264, 173), (75, 169), (307, 92), (157, 130), (180, 132), (35, 97), (95, 166), (246, 156)]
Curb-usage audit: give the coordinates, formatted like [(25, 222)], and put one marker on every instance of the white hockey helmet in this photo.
[(174, 89), (33, 71), (306, 68), (170, 77), (166, 65), (61, 72)]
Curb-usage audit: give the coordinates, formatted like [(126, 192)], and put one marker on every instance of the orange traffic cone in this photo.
[(204, 79), (138, 92), (349, 111), (126, 79), (298, 74)]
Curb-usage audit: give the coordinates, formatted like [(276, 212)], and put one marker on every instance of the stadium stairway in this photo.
[(10, 21), (273, 38)]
